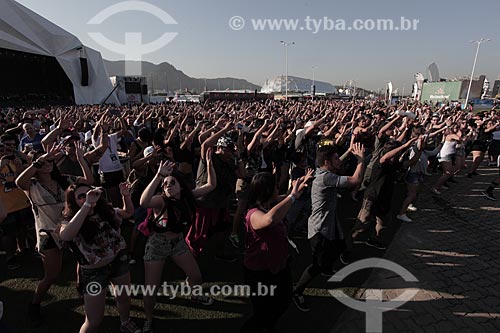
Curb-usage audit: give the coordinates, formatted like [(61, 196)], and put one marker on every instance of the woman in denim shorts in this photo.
[(446, 157), (91, 226), (174, 210)]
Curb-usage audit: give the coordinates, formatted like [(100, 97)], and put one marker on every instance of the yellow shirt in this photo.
[(12, 198)]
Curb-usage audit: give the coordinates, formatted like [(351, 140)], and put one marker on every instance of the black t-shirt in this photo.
[(381, 183), (226, 183)]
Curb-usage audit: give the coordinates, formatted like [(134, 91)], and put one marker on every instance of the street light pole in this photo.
[(478, 42), (286, 44), (312, 87)]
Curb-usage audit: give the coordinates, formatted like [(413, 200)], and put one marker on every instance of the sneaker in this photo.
[(412, 208), (35, 315), (203, 300), (225, 258), (235, 240), (13, 264), (435, 191), (375, 243), (404, 218), (345, 258), (129, 327), (445, 187), (132, 262), (489, 196), (148, 327), (475, 173), (300, 303), (469, 175)]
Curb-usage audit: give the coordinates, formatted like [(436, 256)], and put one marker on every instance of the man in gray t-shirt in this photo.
[(324, 230), (324, 204)]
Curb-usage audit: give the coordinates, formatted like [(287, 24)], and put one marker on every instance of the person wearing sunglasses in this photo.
[(91, 226), (45, 185), (174, 211)]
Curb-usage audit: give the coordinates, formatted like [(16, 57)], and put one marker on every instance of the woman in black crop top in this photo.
[(174, 210)]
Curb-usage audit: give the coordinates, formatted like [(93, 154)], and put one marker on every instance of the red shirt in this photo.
[(267, 248)]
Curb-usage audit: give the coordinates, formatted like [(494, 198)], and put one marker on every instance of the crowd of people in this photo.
[(251, 175)]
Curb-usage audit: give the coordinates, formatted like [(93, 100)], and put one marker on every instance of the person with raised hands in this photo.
[(325, 233), (45, 185), (212, 212), (91, 226), (265, 229), (379, 188), (174, 211)]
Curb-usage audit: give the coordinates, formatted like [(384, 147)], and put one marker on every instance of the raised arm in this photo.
[(390, 154), (387, 126), (261, 220), (88, 177), (147, 199), (358, 151), (211, 178), (70, 229), (23, 181), (256, 137), (128, 207), (211, 141)]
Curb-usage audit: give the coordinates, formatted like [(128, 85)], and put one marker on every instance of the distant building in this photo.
[(296, 85)]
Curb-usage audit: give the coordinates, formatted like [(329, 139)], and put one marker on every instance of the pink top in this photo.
[(265, 249)]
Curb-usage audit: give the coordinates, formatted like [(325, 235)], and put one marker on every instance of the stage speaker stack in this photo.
[(85, 71)]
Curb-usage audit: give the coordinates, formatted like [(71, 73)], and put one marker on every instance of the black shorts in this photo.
[(479, 146)]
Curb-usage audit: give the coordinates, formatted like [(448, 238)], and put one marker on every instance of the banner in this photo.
[(441, 91)]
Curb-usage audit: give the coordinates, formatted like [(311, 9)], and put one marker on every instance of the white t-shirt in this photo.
[(110, 162)]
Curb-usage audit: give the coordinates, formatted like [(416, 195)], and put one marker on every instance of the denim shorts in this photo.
[(158, 247), (118, 267), (415, 178)]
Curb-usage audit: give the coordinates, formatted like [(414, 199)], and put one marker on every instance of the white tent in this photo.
[(23, 30)]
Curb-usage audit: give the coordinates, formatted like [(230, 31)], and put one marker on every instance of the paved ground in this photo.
[(453, 249)]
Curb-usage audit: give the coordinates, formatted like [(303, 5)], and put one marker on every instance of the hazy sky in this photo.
[(207, 47)]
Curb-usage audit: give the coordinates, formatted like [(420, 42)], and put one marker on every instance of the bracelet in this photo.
[(86, 204), (293, 198)]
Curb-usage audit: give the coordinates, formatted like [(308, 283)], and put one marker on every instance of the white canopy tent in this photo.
[(23, 30)]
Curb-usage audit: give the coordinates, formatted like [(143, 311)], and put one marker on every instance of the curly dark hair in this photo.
[(102, 208)]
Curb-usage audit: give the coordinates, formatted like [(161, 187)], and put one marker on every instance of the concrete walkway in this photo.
[(453, 248)]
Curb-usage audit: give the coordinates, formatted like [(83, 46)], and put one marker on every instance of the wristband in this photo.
[(86, 204), (293, 198)]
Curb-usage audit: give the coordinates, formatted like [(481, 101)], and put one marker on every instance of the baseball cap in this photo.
[(224, 142), (148, 151)]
